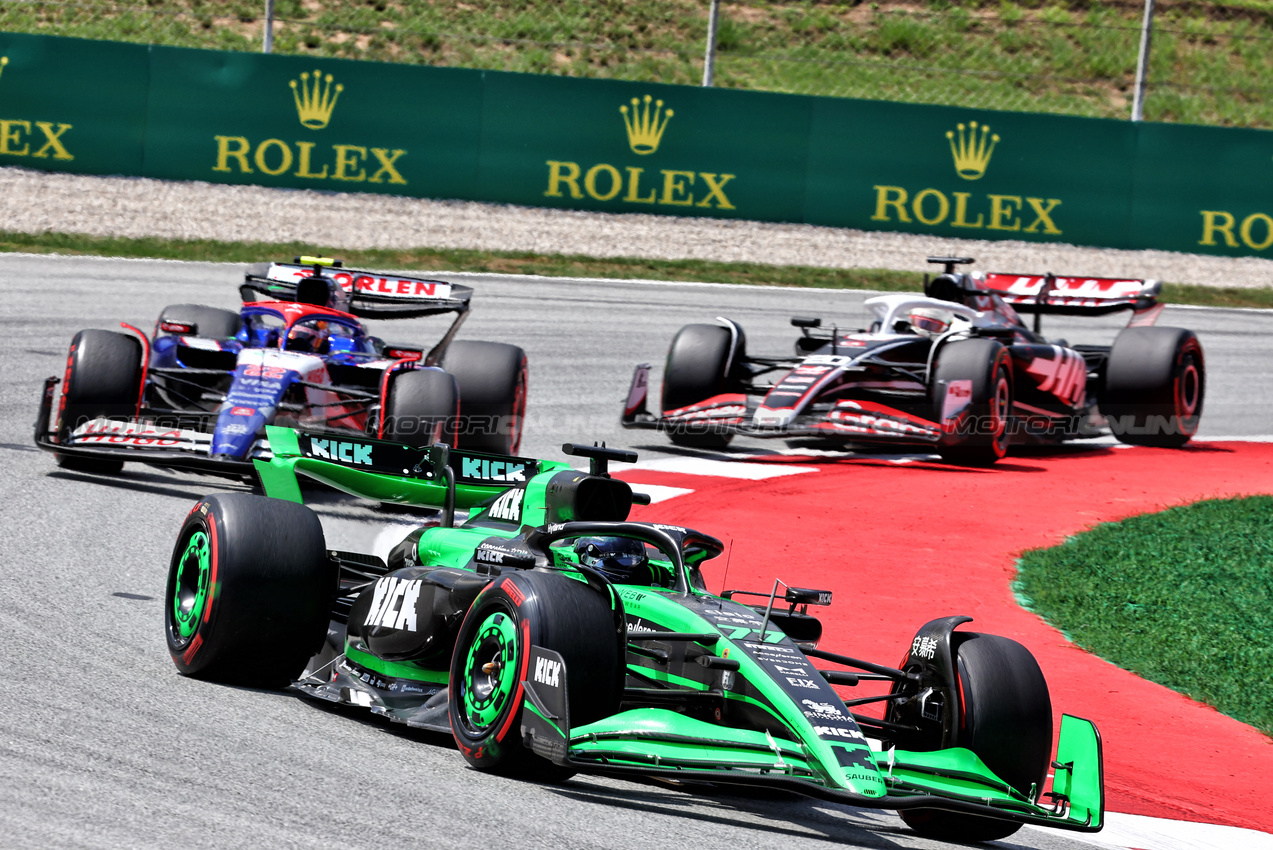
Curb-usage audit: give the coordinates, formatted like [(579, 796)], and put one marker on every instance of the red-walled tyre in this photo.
[(491, 377), (423, 408), (250, 590), (982, 433), (512, 614), (1154, 386), (103, 380), (696, 369)]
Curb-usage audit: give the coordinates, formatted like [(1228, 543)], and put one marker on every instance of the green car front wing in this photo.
[(657, 741)]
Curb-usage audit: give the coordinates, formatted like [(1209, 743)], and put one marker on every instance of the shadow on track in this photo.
[(125, 481)]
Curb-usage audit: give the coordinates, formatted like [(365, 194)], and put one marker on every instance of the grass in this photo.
[(1211, 61), (502, 262), (552, 265), (1183, 598)]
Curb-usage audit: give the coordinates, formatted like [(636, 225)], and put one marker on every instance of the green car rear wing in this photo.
[(389, 472)]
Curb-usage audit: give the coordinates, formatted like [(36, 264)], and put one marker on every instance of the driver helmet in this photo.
[(931, 321), (617, 558), (309, 338)]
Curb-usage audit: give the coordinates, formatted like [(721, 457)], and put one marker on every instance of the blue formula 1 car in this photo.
[(198, 393)]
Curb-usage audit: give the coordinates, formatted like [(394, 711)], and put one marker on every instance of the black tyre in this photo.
[(515, 612), (423, 408), (1154, 386), (492, 381), (981, 435), (250, 590), (210, 322), (697, 368), (1006, 719), (103, 379)]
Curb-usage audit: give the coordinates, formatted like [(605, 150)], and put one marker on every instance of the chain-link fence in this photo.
[(1209, 63)]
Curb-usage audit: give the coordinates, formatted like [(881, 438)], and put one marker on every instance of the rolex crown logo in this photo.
[(972, 154), (645, 130), (4, 60), (314, 103)]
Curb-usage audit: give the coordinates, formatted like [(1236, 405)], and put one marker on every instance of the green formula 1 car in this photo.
[(550, 636)]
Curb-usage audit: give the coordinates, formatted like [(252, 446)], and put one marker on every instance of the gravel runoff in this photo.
[(37, 202)]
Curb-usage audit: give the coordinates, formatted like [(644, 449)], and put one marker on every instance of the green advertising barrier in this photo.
[(72, 105), (291, 122), (339, 125), (969, 174), (1203, 190), (631, 147)]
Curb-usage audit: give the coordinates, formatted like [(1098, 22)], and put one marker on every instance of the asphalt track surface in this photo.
[(102, 744)]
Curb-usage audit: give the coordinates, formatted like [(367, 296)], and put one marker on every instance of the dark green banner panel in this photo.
[(1203, 190), (313, 124), (72, 105), (969, 174), (338, 125), (632, 147)]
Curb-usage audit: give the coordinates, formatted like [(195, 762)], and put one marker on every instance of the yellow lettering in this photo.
[(225, 152), (1043, 214), (285, 159), (1217, 221), (303, 169), (961, 212), (11, 131), (1002, 214), (715, 190), (590, 181), (1268, 231), (347, 157), (890, 196), (52, 138), (556, 178), (387, 158), (634, 187), (943, 206), (674, 189)]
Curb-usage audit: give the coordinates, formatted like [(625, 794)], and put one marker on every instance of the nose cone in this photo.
[(767, 417), (237, 427)]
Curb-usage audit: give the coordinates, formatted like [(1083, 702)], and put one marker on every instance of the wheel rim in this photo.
[(489, 676), (1000, 403), (1188, 392), (519, 412), (190, 590)]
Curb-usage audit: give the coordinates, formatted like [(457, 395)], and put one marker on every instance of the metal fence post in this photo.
[(709, 61), (1142, 65), (267, 45)]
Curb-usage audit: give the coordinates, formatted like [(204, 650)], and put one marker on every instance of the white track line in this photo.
[(700, 283), (659, 492), (1245, 438), (1146, 833), (720, 468)]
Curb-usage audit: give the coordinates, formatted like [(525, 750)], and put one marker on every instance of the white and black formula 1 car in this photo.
[(198, 393), (955, 369)]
